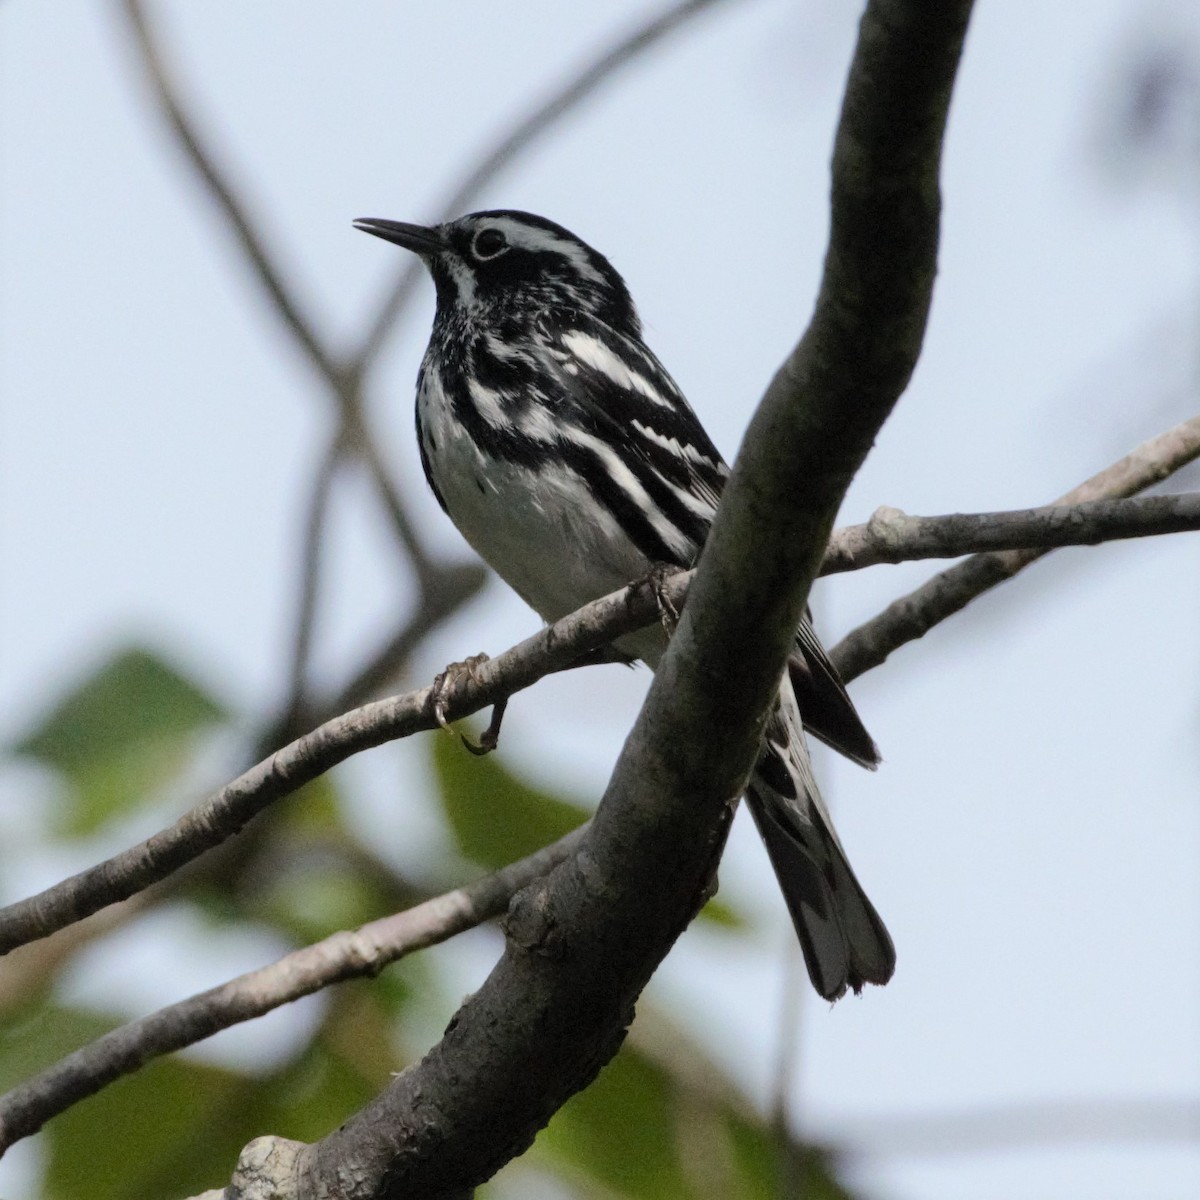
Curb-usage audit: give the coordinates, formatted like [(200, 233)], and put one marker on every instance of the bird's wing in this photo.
[(618, 392), (825, 706), (614, 390)]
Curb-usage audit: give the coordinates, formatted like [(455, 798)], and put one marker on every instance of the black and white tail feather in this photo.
[(568, 458)]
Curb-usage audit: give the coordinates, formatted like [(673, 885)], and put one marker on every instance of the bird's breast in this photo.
[(528, 515)]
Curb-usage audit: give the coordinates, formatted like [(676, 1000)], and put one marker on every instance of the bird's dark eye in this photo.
[(488, 243)]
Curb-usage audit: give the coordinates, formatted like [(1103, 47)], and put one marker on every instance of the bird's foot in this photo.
[(656, 580), (445, 683)]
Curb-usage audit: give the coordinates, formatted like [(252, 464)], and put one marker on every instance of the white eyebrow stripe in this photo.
[(592, 351), (545, 241)]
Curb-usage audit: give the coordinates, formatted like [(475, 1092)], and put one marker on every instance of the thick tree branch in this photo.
[(914, 615), (561, 646), (583, 942), (347, 955)]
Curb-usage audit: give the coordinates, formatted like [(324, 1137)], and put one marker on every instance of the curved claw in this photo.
[(656, 578), (442, 685), (489, 739), (445, 683)]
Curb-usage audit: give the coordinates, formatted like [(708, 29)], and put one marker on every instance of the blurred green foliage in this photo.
[(497, 818), (125, 732), (660, 1121)]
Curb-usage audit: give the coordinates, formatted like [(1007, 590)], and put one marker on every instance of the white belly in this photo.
[(542, 533)]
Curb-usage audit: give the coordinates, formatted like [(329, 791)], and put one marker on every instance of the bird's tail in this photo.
[(844, 941)]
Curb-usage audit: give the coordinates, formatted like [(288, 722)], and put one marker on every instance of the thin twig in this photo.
[(345, 955), (581, 84), (216, 179), (343, 381), (559, 646), (310, 574), (299, 762), (912, 616)]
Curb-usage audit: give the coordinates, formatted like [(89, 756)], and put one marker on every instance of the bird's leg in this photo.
[(445, 683)]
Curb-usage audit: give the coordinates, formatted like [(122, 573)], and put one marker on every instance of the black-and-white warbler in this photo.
[(571, 462)]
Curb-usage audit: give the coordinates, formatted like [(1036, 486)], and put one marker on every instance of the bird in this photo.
[(571, 462)]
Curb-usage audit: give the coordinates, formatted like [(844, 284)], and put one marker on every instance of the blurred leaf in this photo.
[(176, 1127), (31, 1044), (352, 1059), (316, 807), (661, 1120), (120, 735), (619, 1130), (171, 1129), (720, 913), (496, 817), (316, 883), (311, 901)]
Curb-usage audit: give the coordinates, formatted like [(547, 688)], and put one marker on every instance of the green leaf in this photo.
[(121, 735), (719, 912), (33, 1042), (311, 902), (662, 1121), (496, 817), (619, 1131), (174, 1128)]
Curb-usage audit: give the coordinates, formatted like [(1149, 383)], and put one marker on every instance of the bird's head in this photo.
[(505, 263)]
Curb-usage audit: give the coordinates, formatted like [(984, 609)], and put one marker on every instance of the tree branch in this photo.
[(299, 762), (914, 615), (346, 955), (892, 537)]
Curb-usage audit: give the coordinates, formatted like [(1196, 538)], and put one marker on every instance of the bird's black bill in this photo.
[(417, 238)]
